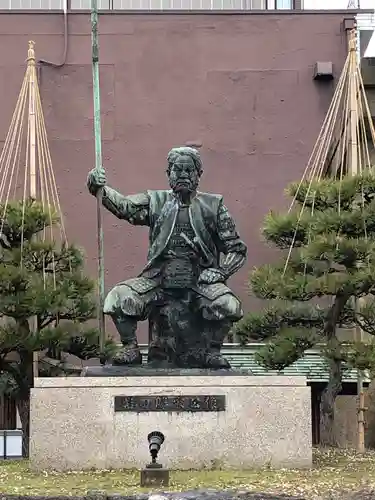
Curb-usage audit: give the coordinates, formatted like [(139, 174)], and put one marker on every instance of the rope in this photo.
[(337, 120), (18, 144), (316, 162)]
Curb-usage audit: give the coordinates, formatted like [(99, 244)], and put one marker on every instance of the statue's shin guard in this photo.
[(127, 328), (218, 332)]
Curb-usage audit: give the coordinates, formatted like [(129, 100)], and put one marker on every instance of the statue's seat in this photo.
[(175, 335)]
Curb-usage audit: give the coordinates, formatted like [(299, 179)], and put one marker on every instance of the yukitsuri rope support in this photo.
[(26, 147), (342, 150)]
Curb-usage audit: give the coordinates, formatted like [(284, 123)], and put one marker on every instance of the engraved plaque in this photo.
[(140, 404)]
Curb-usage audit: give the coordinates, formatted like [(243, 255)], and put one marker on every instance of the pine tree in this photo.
[(313, 292), (45, 301)]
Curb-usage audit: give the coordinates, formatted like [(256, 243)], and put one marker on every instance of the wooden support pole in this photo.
[(31, 71), (353, 154), (32, 126)]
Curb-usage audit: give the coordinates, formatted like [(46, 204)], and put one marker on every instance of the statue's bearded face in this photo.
[(183, 175)]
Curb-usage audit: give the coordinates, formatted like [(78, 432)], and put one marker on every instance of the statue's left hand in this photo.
[(210, 276)]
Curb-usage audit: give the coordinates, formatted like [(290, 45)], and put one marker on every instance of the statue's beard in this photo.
[(183, 188)]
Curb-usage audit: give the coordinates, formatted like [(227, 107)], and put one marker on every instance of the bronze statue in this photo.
[(194, 248)]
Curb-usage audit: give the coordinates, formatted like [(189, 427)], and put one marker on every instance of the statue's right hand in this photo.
[(96, 180)]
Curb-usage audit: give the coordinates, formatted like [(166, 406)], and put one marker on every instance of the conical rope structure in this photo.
[(26, 173), (342, 149)]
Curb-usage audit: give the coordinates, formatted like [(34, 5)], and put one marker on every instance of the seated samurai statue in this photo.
[(193, 249)]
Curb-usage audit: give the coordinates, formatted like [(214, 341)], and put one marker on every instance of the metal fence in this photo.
[(150, 4), (10, 444)]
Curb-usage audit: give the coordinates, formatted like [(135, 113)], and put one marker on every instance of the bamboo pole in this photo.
[(32, 151), (98, 166), (353, 92), (32, 155), (353, 170)]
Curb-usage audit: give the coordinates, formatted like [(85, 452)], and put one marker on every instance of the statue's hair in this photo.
[(175, 153)]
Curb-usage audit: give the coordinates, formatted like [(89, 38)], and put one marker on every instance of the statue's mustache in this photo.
[(183, 187)]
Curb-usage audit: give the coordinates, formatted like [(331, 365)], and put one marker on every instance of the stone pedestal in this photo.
[(208, 419)]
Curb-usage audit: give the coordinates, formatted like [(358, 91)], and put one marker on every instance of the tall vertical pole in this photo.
[(98, 165), (353, 116), (32, 153), (353, 170)]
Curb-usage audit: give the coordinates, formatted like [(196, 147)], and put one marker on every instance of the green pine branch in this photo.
[(22, 222), (266, 324), (296, 228), (45, 302), (328, 243), (329, 194), (287, 347)]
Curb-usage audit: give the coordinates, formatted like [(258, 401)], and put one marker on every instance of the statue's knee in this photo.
[(123, 300), (224, 307), (133, 305)]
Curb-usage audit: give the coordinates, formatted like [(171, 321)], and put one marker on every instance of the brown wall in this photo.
[(240, 83)]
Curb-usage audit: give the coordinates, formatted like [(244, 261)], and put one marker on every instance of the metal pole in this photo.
[(98, 166)]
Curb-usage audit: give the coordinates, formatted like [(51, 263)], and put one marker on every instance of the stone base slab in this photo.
[(267, 421)]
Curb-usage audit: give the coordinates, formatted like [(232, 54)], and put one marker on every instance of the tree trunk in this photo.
[(327, 406), (23, 406), (23, 400), (334, 386)]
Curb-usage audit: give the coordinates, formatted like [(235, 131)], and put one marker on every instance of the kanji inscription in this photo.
[(140, 404)]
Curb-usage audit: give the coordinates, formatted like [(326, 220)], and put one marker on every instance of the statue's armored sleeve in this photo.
[(230, 243), (133, 208)]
